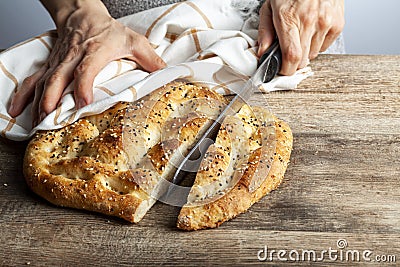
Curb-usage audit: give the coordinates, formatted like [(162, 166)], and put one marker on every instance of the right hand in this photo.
[(88, 39), (304, 28)]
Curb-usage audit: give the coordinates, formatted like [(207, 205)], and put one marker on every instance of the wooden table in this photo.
[(343, 183)]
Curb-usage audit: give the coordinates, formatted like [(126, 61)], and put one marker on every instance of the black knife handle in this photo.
[(275, 64)]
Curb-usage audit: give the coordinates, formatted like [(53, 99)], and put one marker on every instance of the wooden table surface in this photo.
[(343, 183)]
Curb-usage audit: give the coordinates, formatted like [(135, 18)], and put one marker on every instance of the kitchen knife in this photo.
[(269, 66)]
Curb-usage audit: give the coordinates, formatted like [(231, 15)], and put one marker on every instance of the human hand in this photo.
[(304, 28), (88, 39)]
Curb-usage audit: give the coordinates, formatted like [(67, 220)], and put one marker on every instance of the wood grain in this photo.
[(342, 183)]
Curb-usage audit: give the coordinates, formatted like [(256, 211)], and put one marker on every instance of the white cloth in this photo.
[(188, 31)]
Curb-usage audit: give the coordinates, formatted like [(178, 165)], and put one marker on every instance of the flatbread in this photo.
[(115, 162)]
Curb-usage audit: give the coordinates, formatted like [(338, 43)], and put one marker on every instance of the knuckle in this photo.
[(80, 69), (92, 46), (74, 36), (339, 26), (335, 32), (79, 88), (53, 79), (85, 70), (310, 18), (29, 81), (72, 41), (325, 21), (293, 55), (72, 53), (308, 21)]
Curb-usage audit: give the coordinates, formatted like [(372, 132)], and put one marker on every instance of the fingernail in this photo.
[(81, 104), (42, 116)]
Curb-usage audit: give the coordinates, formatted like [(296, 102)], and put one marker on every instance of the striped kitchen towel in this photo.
[(198, 30)]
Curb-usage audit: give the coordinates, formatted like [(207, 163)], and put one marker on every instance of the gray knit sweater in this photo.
[(120, 8)]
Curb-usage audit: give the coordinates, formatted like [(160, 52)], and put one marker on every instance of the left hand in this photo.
[(304, 28), (88, 39)]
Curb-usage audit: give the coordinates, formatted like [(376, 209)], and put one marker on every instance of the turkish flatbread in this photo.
[(115, 162)]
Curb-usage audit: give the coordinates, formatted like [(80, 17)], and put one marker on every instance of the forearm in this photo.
[(60, 10)]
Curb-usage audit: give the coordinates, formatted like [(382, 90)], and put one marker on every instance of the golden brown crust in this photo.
[(113, 162), (104, 162), (240, 197)]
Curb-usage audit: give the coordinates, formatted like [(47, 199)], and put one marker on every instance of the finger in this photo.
[(329, 39), (305, 39), (289, 38), (308, 27), (54, 86), (144, 55), (61, 73), (84, 76), (266, 31), (333, 24), (316, 43), (25, 92)]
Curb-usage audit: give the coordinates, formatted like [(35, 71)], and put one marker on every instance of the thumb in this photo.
[(266, 31)]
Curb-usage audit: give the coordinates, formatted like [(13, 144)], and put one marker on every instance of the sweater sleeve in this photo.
[(121, 8)]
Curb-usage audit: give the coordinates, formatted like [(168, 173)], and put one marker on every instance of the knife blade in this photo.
[(268, 67)]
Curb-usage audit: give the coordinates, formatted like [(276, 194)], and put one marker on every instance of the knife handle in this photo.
[(275, 64)]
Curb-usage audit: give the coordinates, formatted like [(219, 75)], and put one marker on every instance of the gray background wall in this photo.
[(372, 27)]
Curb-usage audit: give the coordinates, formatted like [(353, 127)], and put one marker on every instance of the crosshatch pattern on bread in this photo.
[(114, 162)]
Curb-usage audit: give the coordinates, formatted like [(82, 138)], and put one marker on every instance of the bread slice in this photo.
[(247, 161), (115, 162)]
